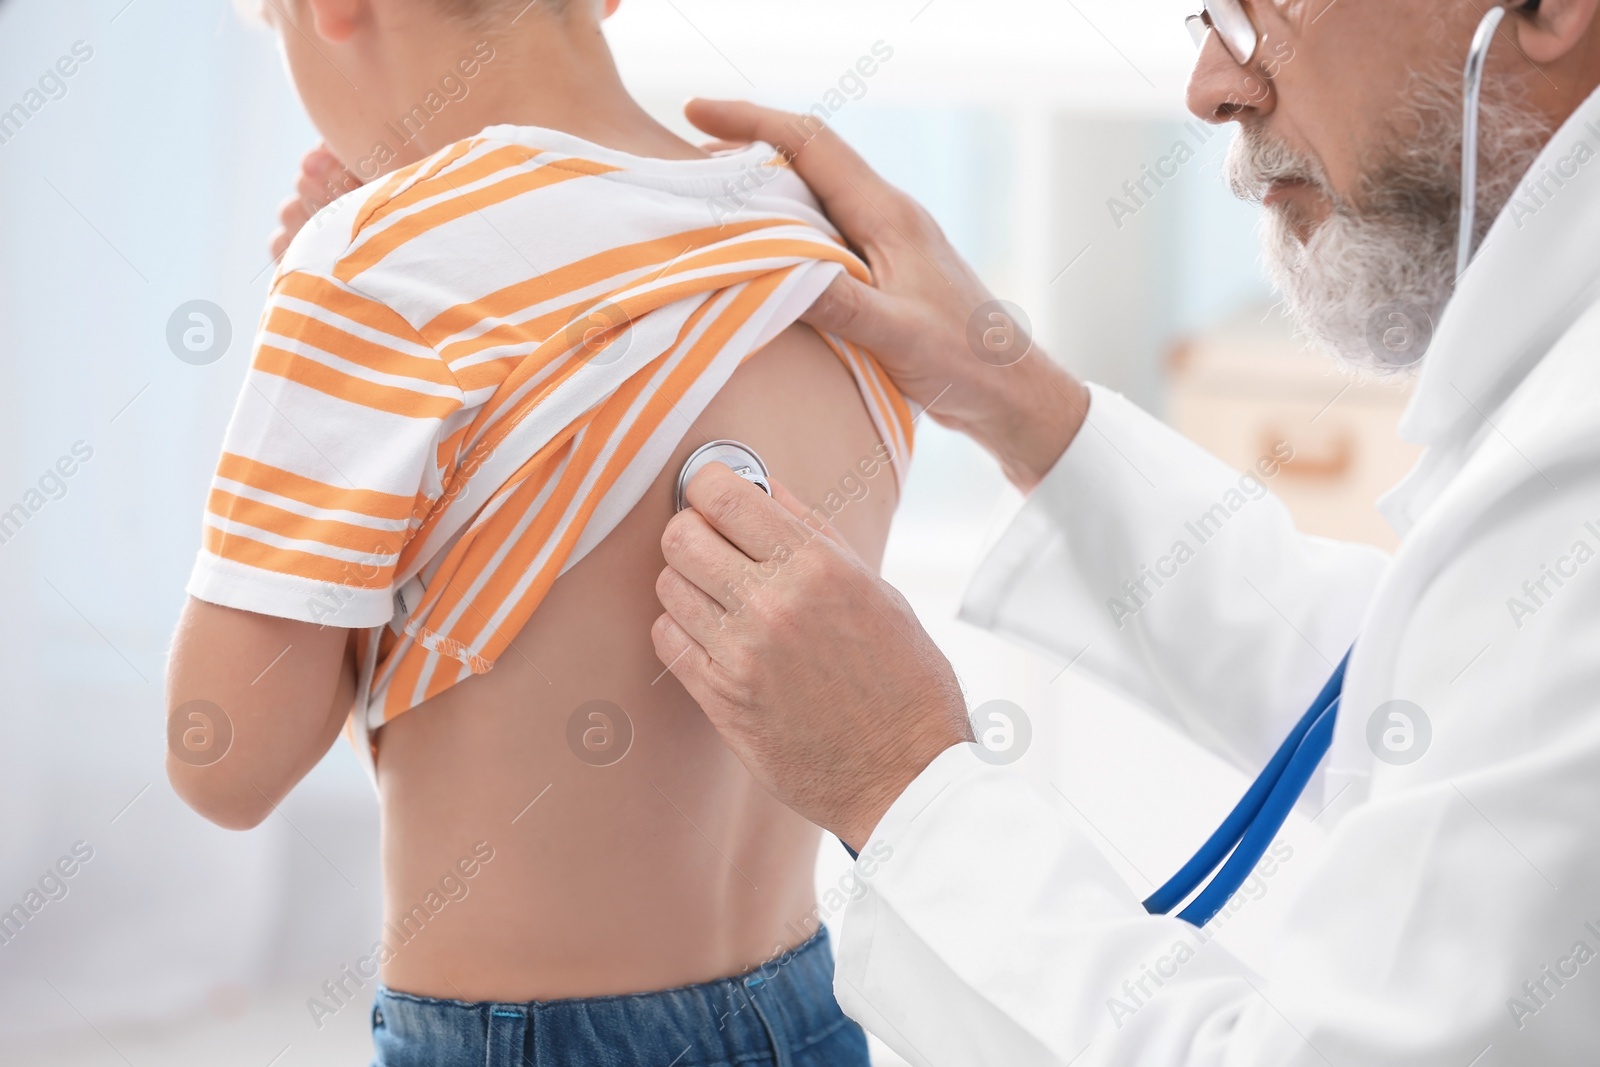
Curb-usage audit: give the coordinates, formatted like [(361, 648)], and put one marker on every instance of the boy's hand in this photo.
[(323, 179), (929, 319)]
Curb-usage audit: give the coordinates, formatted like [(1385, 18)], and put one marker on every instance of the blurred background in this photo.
[(1048, 138)]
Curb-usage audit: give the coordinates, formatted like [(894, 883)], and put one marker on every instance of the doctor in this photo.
[(1454, 919)]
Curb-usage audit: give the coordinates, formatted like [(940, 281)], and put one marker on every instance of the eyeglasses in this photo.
[(1233, 25)]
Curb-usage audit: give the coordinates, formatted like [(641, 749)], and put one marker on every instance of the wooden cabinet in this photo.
[(1248, 384)]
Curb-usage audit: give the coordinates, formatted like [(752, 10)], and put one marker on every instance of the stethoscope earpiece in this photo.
[(1472, 86)]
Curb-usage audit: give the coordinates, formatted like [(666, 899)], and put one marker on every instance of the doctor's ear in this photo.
[(1547, 30)]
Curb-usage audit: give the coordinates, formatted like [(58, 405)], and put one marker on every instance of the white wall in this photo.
[(149, 183)]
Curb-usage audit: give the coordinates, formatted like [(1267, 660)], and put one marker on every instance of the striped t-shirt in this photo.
[(468, 373)]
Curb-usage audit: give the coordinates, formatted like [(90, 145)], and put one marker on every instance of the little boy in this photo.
[(435, 527)]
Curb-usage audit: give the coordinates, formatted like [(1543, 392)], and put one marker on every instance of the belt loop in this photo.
[(780, 1047), (506, 1042)]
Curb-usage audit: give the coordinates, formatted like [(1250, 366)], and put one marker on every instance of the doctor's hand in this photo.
[(815, 671), (929, 320)]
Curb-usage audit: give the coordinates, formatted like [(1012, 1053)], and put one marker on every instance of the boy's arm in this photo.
[(327, 462), (271, 696)]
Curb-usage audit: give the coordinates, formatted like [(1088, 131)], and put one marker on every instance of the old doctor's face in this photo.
[(1349, 134)]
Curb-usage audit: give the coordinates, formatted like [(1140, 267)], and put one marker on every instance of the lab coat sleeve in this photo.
[(1453, 918), (990, 931), (1140, 546)]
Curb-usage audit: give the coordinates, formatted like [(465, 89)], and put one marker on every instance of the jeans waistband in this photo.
[(788, 1003)]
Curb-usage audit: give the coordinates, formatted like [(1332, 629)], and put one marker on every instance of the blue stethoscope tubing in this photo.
[(1248, 831)]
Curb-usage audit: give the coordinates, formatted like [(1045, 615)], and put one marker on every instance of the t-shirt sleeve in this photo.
[(329, 460)]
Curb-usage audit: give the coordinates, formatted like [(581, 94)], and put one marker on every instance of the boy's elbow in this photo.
[(218, 797)]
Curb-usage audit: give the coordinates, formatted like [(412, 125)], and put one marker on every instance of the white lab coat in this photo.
[(1454, 918)]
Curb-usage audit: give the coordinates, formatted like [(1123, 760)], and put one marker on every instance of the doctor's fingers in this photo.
[(725, 699), (747, 518), (701, 616), (703, 557), (864, 206), (860, 313), (683, 656)]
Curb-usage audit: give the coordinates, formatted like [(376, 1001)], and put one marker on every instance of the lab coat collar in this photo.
[(1535, 273)]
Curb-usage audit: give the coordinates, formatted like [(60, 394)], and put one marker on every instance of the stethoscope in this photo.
[(1472, 79), (1253, 824), (1231, 853), (1248, 831), (741, 458)]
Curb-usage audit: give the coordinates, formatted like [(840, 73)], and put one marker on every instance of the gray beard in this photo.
[(1376, 275)]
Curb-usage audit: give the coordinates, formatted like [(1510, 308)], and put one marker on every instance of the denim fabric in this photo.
[(782, 1015)]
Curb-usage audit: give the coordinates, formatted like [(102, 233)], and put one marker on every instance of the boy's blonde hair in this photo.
[(491, 11), (477, 12)]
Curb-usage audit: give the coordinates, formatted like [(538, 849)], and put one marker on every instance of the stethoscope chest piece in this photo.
[(741, 459)]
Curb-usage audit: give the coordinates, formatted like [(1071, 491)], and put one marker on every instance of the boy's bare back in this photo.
[(671, 865)]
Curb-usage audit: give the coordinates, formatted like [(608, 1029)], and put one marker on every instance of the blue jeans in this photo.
[(782, 1015)]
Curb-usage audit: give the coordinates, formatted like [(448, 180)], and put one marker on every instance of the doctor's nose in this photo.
[(1220, 90)]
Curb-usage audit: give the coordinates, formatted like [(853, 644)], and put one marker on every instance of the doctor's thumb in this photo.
[(857, 312)]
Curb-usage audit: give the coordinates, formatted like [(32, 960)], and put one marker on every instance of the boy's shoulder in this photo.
[(396, 248), (400, 222), (527, 172), (333, 233), (472, 218)]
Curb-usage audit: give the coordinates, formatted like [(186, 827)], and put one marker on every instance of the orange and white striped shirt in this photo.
[(468, 373)]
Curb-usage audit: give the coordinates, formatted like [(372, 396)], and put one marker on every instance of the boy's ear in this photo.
[(611, 7), (336, 20), (1553, 28)]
